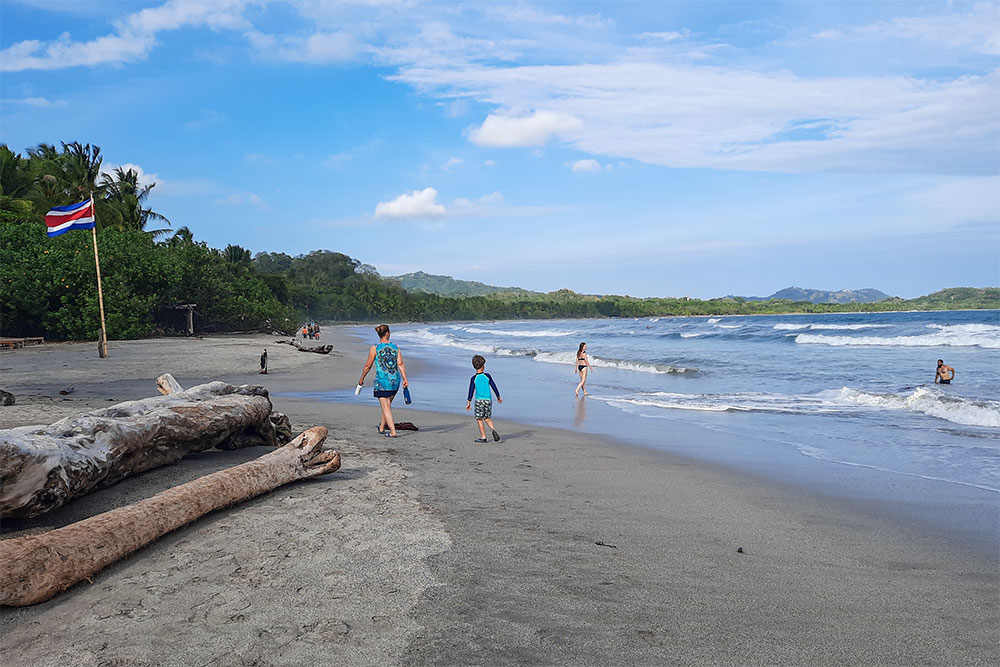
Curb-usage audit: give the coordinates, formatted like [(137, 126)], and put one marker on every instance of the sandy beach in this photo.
[(549, 548)]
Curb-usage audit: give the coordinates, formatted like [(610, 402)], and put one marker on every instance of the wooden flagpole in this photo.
[(103, 347)]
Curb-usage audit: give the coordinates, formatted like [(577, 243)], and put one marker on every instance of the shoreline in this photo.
[(551, 547)]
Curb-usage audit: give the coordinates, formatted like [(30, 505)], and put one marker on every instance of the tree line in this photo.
[(47, 286)]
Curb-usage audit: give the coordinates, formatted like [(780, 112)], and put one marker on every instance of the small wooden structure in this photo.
[(18, 343)]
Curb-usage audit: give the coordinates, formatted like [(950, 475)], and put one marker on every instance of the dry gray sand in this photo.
[(550, 547)]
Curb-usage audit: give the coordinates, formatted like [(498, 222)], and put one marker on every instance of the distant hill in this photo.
[(867, 295), (448, 286), (959, 298)]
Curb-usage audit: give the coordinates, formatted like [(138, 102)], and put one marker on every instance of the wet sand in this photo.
[(550, 547)]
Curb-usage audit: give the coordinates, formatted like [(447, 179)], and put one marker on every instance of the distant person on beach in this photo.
[(263, 362), (389, 372), (305, 331), (582, 369), (480, 386), (944, 373)]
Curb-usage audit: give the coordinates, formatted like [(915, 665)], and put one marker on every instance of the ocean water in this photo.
[(842, 403)]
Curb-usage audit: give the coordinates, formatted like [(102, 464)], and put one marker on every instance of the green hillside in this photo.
[(451, 287)]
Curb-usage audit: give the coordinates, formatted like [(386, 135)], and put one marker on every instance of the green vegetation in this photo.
[(448, 286), (48, 286)]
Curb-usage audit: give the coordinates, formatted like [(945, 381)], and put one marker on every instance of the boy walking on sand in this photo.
[(480, 386)]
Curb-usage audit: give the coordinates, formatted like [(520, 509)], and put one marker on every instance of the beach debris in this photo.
[(318, 349), (66, 391), (282, 427), (739, 550), (42, 467), (6, 398), (610, 546), (406, 426), (168, 385), (38, 567)]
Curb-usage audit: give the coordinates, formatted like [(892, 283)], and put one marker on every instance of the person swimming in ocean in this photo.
[(944, 373), (582, 369)]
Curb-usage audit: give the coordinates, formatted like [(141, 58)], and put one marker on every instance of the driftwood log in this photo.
[(38, 567), (318, 349), (41, 467)]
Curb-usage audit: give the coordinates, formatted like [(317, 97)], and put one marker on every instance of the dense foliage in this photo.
[(48, 286)]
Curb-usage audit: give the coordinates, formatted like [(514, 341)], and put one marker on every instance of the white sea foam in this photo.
[(728, 326), (713, 320), (988, 329), (785, 326), (923, 400), (954, 337), (621, 364), (737, 402), (816, 453), (545, 333), (693, 335), (931, 402)]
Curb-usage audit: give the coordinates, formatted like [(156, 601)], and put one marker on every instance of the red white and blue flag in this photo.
[(62, 219)]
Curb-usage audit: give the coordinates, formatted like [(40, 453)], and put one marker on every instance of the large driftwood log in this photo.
[(41, 467), (318, 349), (38, 567)]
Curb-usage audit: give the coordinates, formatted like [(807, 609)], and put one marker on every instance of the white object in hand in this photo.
[(357, 390)]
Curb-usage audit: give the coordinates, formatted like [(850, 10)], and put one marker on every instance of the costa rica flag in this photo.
[(62, 219)]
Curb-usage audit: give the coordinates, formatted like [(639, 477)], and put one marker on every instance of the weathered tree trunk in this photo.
[(41, 467), (318, 349), (38, 567)]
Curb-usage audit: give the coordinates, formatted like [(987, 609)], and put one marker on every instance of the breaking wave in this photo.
[(927, 401), (976, 335), (955, 409), (426, 337), (546, 333), (785, 326), (621, 364)]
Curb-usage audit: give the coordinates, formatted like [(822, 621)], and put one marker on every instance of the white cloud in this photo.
[(64, 52), (451, 163), (318, 48), (206, 118), (585, 165), (726, 118), (134, 38), (493, 198), (490, 163), (243, 198), (108, 169), (418, 204), (37, 102), (524, 131), (976, 30)]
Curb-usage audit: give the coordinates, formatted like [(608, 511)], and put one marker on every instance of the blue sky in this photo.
[(644, 148)]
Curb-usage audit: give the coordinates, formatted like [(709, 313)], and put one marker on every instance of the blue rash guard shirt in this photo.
[(480, 386)]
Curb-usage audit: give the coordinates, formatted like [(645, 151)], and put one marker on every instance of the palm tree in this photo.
[(15, 185), (125, 201)]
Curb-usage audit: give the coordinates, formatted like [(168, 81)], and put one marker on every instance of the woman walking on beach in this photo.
[(389, 370), (582, 368)]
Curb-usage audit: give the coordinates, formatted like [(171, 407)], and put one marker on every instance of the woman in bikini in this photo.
[(389, 374), (582, 368)]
